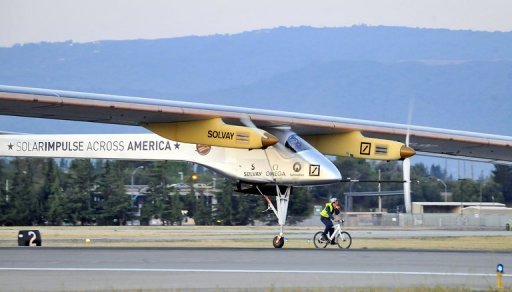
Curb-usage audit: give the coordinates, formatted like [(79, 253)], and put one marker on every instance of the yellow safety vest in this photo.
[(324, 212)]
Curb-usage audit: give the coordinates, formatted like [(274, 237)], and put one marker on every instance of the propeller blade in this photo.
[(246, 120), (405, 153), (406, 169), (267, 139), (409, 121)]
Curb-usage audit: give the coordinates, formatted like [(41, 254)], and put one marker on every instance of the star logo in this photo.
[(177, 146), (10, 146)]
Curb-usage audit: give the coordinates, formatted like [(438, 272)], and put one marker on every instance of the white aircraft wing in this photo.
[(100, 108)]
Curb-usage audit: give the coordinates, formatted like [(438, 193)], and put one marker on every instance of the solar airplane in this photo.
[(262, 151)]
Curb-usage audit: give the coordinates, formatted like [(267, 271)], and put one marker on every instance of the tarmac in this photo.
[(113, 269)]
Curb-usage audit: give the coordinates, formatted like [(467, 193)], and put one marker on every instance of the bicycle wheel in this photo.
[(318, 241), (344, 240)]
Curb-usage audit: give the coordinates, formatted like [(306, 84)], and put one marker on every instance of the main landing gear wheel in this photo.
[(278, 241)]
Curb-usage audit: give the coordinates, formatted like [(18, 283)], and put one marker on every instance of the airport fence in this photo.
[(426, 220)]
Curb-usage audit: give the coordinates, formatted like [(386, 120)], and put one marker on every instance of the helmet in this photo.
[(332, 200)]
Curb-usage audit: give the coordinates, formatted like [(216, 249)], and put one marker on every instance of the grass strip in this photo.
[(234, 237)]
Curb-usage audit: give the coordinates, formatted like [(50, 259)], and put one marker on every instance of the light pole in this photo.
[(193, 178), (133, 174), (482, 183), (349, 199), (461, 188), (139, 207), (7, 190), (480, 208), (445, 189)]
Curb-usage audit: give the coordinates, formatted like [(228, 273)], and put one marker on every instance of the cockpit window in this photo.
[(297, 144)]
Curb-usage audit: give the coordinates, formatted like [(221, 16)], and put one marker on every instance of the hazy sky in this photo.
[(24, 21)]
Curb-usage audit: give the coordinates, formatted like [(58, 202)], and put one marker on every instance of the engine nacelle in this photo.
[(354, 144), (213, 132)]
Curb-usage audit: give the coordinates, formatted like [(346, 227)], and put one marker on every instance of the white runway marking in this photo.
[(252, 271)]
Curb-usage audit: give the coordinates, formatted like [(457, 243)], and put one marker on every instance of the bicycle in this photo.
[(341, 238)]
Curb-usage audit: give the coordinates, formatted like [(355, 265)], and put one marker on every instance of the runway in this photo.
[(68, 269)]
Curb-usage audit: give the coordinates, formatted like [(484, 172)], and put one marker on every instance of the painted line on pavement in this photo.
[(252, 271)]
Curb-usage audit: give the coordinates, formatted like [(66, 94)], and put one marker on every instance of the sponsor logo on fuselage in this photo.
[(252, 173), (275, 172), (314, 170), (365, 148), (270, 173), (297, 167), (203, 149), (221, 135)]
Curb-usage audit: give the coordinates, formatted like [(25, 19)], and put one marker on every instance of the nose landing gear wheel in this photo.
[(278, 241)]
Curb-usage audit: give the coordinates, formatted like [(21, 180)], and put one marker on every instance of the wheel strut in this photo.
[(281, 212)]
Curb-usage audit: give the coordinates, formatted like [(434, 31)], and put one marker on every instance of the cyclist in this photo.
[(331, 209)]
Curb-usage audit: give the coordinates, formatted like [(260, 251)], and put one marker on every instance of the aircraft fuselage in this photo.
[(276, 164)]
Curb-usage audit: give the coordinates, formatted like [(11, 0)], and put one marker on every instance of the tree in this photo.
[(51, 197), (423, 186), (203, 214), (300, 206), (437, 172), (56, 212), (224, 212), (247, 208), (160, 203), (237, 208), (78, 192), (3, 178), (174, 215), (3, 192), (190, 203), (491, 191), (114, 204), (466, 191), (502, 175), (23, 202)]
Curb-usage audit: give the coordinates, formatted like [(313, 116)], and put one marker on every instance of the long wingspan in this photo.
[(100, 108)]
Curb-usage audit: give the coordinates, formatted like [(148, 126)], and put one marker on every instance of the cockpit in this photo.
[(297, 144)]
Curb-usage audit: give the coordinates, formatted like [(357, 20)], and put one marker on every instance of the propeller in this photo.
[(406, 164), (246, 121), (267, 139)]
